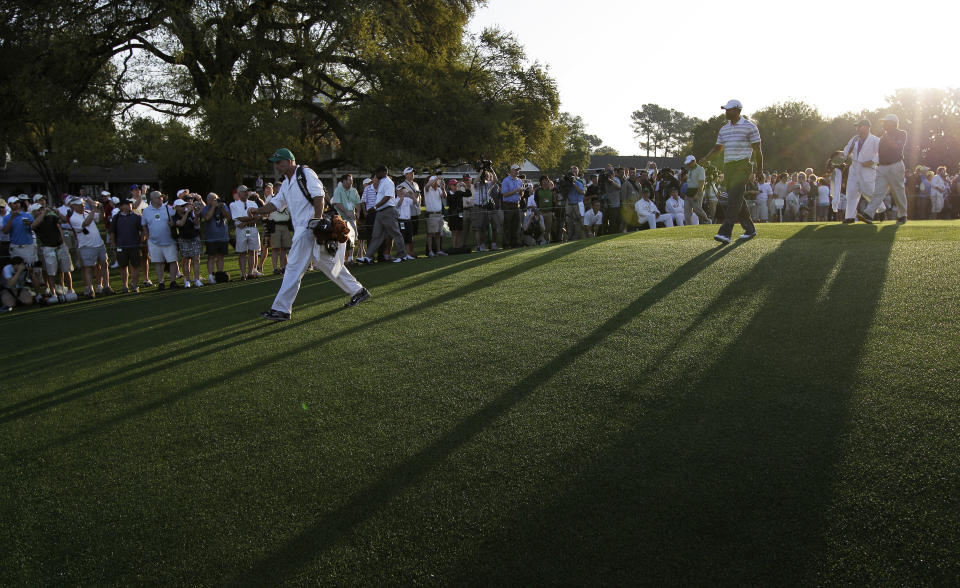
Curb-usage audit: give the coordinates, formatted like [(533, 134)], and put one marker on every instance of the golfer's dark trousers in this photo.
[(736, 174)]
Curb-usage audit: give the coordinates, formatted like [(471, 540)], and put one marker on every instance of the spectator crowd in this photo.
[(146, 234)]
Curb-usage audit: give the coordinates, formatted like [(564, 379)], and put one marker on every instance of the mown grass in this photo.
[(646, 408)]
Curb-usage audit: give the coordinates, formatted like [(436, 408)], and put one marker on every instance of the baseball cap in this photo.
[(689, 159), (34, 207), (115, 200), (891, 118), (37, 197), (12, 199), (179, 202), (432, 179), (863, 122), (514, 166), (466, 176), (134, 187), (731, 104), (452, 182), (282, 154), (407, 170), (240, 188), (123, 201), (182, 191), (367, 181), (104, 193)]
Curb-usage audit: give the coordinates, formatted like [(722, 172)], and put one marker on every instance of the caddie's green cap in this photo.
[(281, 155)]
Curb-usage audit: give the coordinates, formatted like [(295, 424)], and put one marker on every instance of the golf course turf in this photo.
[(649, 408)]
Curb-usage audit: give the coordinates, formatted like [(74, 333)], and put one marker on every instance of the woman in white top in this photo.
[(405, 204), (938, 191), (763, 197), (780, 191)]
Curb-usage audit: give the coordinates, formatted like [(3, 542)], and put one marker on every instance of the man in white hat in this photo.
[(862, 151), (435, 199), (413, 191), (693, 200), (891, 172), (247, 234), (739, 140), (17, 224), (511, 189)]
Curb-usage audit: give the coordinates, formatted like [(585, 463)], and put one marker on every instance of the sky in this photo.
[(838, 56)]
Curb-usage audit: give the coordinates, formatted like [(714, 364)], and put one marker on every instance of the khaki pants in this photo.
[(574, 222), (891, 176)]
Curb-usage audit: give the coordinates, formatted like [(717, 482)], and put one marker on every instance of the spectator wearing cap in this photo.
[(18, 225), (739, 140), (216, 233), (575, 211), (90, 247), (13, 285), (416, 196), (405, 205), (126, 230), (457, 195), (345, 201), (485, 214), (277, 235), (648, 213), (544, 199), (137, 205), (247, 234), (674, 206), (435, 199), (53, 253), (693, 199), (533, 228), (612, 212), (511, 190), (189, 244), (891, 171), (386, 224), (158, 221), (863, 153)]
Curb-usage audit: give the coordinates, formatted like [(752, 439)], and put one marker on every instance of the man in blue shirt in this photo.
[(17, 223), (575, 192), (511, 189)]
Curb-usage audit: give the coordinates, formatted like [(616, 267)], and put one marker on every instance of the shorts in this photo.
[(190, 247), (415, 224), (435, 222), (217, 248), (127, 256), (248, 239), (57, 259), (27, 252), (455, 222), (162, 253), (68, 238), (281, 237), (406, 229), (91, 256)]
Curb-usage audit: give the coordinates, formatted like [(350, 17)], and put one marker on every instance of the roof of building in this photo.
[(637, 161)]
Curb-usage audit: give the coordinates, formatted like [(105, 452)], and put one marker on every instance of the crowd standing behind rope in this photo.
[(42, 245)]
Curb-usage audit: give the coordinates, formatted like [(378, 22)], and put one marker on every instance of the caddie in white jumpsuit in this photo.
[(864, 152), (304, 247)]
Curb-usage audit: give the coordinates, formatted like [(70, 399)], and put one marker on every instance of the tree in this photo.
[(576, 145), (663, 129), (605, 150)]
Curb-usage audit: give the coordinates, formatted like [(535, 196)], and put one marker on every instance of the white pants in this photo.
[(652, 220), (678, 218), (860, 181), (303, 249)]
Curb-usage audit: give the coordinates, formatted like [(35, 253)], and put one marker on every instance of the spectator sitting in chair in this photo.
[(593, 219), (675, 208), (648, 213), (533, 228), (13, 285)]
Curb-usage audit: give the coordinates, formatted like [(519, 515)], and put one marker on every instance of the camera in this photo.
[(270, 225), (482, 165)]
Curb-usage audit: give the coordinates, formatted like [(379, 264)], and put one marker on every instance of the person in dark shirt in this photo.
[(126, 231), (53, 251), (188, 238), (890, 171)]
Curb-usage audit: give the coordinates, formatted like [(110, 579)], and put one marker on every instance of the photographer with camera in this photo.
[(91, 250), (53, 253), (278, 232), (158, 222), (435, 199), (485, 213), (574, 193), (126, 230), (188, 239), (545, 200), (216, 234), (416, 196), (246, 233), (18, 225), (302, 194), (511, 189), (13, 285), (533, 228)]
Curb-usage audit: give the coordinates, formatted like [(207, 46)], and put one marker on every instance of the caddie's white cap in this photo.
[(689, 159), (732, 104), (179, 202), (891, 118), (367, 181), (12, 199), (37, 197), (407, 170)]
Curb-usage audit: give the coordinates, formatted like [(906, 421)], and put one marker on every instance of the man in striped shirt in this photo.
[(739, 140)]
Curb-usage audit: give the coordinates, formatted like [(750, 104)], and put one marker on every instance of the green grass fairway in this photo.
[(639, 409)]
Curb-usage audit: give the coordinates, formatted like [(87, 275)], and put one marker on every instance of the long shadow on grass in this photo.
[(336, 525), (184, 326), (175, 357), (726, 479)]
